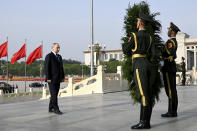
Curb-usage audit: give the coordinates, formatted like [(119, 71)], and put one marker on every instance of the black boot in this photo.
[(170, 112), (141, 125), (169, 115), (141, 112), (145, 119), (150, 113), (175, 105)]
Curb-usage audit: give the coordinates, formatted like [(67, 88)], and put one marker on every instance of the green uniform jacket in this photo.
[(140, 43), (169, 55)]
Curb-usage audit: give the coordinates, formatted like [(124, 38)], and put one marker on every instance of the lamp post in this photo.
[(97, 48), (92, 41)]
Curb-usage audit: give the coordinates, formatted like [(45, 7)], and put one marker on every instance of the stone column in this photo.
[(16, 91), (119, 71), (1, 92), (31, 90), (180, 37), (70, 86), (178, 79), (44, 93), (100, 80), (195, 57), (194, 76)]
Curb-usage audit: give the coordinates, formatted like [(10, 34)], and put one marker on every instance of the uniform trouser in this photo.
[(142, 80), (170, 88), (183, 80), (54, 90)]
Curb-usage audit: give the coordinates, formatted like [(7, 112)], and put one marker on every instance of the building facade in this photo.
[(104, 55), (187, 47)]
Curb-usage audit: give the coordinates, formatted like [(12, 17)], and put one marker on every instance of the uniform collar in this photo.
[(54, 53), (141, 30), (173, 37)]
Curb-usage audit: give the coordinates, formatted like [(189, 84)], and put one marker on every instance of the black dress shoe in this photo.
[(58, 112), (169, 115), (141, 125)]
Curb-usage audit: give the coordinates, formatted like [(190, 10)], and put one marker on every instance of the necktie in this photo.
[(57, 58)]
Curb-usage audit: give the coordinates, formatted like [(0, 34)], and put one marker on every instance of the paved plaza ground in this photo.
[(108, 112)]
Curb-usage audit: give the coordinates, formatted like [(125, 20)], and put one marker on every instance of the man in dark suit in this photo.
[(169, 71), (54, 75)]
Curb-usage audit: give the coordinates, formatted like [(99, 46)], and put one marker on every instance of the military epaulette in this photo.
[(135, 40)]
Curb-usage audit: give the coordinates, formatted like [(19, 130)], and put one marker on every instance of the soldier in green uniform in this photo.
[(183, 71), (139, 48), (169, 71)]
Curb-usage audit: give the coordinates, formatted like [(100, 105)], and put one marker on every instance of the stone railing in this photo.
[(191, 77), (18, 93), (100, 83), (188, 78)]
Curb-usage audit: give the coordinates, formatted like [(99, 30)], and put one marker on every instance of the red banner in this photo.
[(36, 54), (20, 54), (4, 49)]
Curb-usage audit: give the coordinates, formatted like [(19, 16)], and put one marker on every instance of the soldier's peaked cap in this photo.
[(144, 17), (174, 27)]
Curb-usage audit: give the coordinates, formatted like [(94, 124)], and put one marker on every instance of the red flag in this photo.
[(4, 49), (20, 54), (36, 54)]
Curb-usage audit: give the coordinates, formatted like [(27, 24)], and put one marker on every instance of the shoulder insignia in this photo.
[(169, 45)]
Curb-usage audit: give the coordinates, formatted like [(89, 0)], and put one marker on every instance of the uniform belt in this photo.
[(138, 56), (170, 58)]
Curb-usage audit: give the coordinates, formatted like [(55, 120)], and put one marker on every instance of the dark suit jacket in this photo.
[(54, 68)]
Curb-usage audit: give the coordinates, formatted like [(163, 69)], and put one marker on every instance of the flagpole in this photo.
[(25, 65), (41, 63), (92, 40), (7, 61)]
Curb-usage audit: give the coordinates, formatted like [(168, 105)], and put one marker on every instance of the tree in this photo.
[(111, 65), (71, 67), (76, 69), (69, 61), (154, 28)]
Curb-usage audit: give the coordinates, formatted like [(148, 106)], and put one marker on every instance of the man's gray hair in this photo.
[(53, 44)]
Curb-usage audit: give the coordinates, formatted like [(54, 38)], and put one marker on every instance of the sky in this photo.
[(68, 23)]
